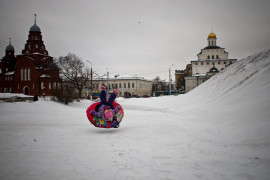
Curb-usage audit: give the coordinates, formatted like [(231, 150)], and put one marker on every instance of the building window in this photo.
[(128, 85), (36, 46), (213, 57), (29, 74), (208, 57), (230, 62), (5, 90), (224, 62), (201, 63), (196, 63), (11, 90), (54, 85), (42, 85), (25, 74), (21, 74), (50, 85), (217, 57), (120, 85), (133, 85), (125, 85), (218, 62), (33, 85)]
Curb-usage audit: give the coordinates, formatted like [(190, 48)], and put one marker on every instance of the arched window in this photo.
[(22, 74), (25, 74), (208, 57), (29, 74), (213, 57), (217, 57)]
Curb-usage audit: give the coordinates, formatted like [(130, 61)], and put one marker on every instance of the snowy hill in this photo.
[(220, 130)]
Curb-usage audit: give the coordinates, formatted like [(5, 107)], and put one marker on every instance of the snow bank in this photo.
[(9, 95)]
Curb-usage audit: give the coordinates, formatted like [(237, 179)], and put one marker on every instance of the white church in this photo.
[(211, 60)]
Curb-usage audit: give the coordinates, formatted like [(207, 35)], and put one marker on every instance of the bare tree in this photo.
[(158, 85), (73, 71)]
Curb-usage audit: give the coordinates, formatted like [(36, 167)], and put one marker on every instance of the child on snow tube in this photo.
[(106, 111)]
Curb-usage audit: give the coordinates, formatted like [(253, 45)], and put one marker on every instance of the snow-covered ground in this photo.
[(220, 130)]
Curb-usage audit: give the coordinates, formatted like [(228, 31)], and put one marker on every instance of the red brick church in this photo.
[(33, 72)]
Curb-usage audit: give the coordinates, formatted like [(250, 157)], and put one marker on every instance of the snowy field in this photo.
[(220, 130)]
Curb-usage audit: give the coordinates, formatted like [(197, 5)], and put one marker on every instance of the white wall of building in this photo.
[(208, 54), (134, 86), (203, 66)]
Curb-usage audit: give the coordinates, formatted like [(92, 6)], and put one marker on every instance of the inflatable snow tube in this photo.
[(96, 121)]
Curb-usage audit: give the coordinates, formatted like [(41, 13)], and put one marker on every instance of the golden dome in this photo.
[(212, 35)]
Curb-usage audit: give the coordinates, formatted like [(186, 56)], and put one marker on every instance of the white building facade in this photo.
[(127, 86), (211, 60)]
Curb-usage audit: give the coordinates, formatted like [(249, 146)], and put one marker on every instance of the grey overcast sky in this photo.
[(142, 37)]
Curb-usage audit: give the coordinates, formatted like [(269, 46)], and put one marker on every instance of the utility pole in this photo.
[(170, 88), (108, 89), (91, 80)]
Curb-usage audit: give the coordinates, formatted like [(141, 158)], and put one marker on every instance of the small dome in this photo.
[(212, 35), (35, 28), (9, 48)]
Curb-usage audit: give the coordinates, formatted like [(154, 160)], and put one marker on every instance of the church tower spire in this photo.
[(34, 44), (35, 18), (212, 39)]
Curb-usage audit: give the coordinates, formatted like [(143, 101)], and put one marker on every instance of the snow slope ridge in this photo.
[(236, 102), (246, 80)]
